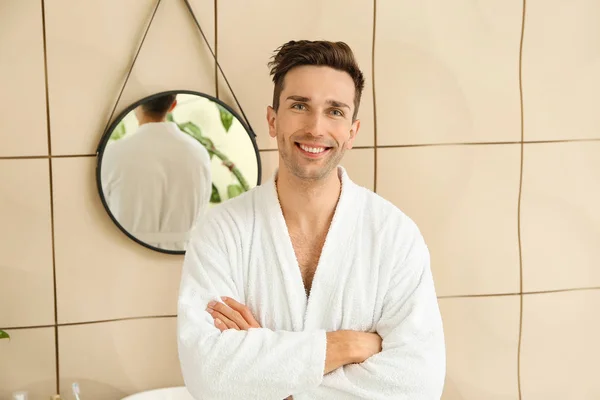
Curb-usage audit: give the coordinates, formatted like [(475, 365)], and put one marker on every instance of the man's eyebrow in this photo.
[(333, 103), (339, 104), (298, 98)]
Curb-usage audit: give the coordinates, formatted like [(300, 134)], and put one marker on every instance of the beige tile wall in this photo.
[(513, 228)]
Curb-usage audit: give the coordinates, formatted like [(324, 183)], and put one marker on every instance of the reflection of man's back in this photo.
[(157, 182)]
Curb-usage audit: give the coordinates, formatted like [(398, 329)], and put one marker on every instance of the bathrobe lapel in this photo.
[(308, 311), (284, 254)]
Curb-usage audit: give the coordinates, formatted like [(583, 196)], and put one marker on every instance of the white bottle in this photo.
[(19, 396)]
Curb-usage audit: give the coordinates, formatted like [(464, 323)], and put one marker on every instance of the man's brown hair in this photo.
[(159, 106), (336, 55)]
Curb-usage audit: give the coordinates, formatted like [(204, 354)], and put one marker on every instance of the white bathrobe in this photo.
[(373, 276), (157, 183)]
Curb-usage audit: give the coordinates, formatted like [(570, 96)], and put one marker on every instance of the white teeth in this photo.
[(314, 150)]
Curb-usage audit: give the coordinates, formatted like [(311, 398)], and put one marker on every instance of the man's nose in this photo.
[(315, 124)]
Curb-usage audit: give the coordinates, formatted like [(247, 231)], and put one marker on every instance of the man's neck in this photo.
[(145, 120), (308, 206)]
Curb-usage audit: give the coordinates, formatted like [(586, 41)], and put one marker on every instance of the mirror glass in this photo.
[(167, 159)]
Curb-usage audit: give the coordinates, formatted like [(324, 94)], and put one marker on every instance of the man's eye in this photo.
[(337, 113), (299, 106)]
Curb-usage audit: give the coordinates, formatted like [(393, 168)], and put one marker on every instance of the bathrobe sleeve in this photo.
[(412, 363), (254, 364)]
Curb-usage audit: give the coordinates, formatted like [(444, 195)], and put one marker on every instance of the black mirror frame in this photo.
[(106, 136)]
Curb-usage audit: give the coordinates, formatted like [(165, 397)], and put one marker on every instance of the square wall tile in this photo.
[(88, 60), (447, 72), (482, 339), (100, 272), (561, 58), (22, 79), (26, 277), (28, 363), (113, 360), (244, 56), (560, 216), (560, 347), (359, 163), (464, 199)]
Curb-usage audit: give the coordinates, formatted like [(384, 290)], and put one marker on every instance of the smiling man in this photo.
[(310, 286)]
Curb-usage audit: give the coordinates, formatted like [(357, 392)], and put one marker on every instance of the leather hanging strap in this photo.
[(137, 52)]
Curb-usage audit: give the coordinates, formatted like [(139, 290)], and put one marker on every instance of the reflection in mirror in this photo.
[(168, 158)]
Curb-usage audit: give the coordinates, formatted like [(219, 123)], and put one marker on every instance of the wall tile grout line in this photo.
[(458, 296), (470, 296), (561, 141), (17, 328), (45, 157), (580, 289), (101, 321), (216, 45), (374, 97), (530, 142), (520, 200), (74, 155), (117, 320), (527, 142), (532, 293), (374, 147), (524, 293), (51, 188)]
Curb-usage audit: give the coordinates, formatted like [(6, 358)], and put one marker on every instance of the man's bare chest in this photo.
[(308, 251)]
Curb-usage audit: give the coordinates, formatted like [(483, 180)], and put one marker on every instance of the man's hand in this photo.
[(231, 315), (350, 347)]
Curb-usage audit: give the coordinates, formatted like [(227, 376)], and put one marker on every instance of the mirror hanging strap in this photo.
[(137, 52)]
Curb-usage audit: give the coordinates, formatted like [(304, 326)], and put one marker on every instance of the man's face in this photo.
[(313, 125)]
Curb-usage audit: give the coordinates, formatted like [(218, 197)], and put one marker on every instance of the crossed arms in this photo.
[(343, 347), (405, 359)]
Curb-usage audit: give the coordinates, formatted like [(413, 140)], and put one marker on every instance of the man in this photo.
[(157, 182), (310, 286)]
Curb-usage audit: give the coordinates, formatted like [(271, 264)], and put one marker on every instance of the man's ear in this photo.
[(353, 132), (272, 121), (173, 106)]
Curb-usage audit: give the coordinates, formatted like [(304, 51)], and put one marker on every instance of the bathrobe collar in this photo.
[(340, 237)]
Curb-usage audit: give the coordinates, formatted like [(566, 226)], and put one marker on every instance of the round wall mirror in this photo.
[(167, 159)]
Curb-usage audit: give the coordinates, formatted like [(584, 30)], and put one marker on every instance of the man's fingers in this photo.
[(222, 322), (244, 312), (232, 303), (229, 314), (220, 325)]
